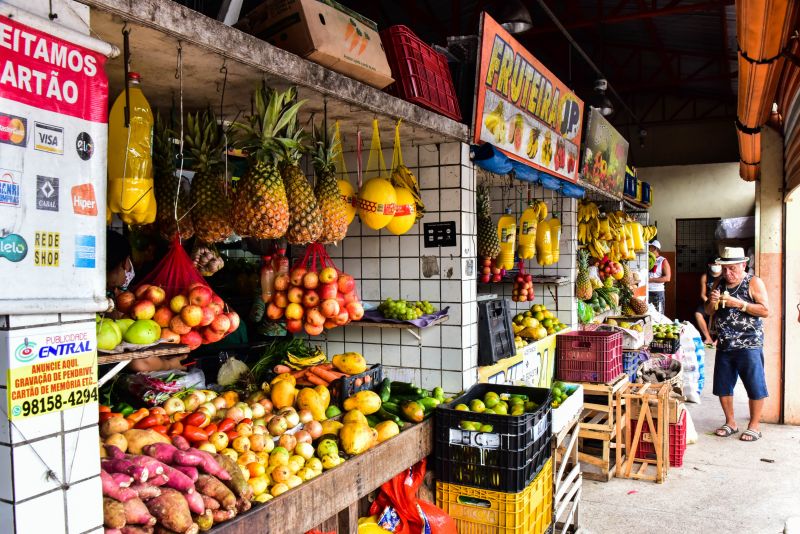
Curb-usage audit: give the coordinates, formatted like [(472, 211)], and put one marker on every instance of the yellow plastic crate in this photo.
[(479, 511)]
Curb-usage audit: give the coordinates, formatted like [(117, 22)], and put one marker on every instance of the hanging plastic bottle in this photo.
[(280, 263), (544, 251), (267, 278), (555, 239), (506, 233), (130, 162), (638, 236), (528, 222)]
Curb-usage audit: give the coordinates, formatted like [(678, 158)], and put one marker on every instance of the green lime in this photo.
[(332, 412), (477, 405), (486, 428), (462, 407)]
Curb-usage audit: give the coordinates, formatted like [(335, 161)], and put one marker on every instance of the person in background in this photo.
[(738, 306), (707, 281), (660, 274)]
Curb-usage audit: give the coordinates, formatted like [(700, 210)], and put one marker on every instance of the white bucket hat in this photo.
[(656, 243), (732, 255)]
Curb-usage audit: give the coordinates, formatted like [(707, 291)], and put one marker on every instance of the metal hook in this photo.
[(179, 62)]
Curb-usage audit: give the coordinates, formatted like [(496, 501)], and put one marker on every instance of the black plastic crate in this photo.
[(346, 386), (495, 333), (665, 346), (506, 459)]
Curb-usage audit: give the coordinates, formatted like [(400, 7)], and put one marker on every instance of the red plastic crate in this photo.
[(421, 73), (677, 442), (586, 356)]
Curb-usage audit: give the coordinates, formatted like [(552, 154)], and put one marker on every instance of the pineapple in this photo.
[(331, 204), (168, 186), (627, 276), (630, 304), (583, 287), (260, 204), (488, 243), (210, 204)]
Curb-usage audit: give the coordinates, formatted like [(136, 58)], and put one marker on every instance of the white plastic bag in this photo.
[(691, 431)]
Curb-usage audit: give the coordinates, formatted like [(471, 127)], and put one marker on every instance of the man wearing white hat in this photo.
[(738, 303), (660, 274)]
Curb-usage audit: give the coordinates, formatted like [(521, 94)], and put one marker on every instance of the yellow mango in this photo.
[(324, 396), (284, 376), (354, 416), (386, 430), (283, 394), (351, 363), (308, 399), (366, 402), (356, 438)]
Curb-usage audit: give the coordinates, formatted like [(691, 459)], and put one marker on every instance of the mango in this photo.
[(308, 399), (331, 427), (143, 332), (386, 430), (284, 376), (327, 447), (354, 416), (412, 411), (324, 396), (356, 438), (366, 402), (351, 363), (283, 394)]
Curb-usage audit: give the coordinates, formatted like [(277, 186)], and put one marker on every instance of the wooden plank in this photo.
[(163, 350), (313, 502)]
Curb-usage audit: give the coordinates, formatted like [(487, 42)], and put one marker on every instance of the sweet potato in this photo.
[(195, 502), (112, 489), (204, 521), (163, 452), (181, 443), (243, 505), (122, 480), (119, 441), (137, 529), (171, 510), (221, 516), (114, 425), (137, 439), (136, 513), (212, 467), (146, 491), (190, 472), (112, 531), (210, 503), (113, 513), (211, 486), (237, 483), (114, 452)]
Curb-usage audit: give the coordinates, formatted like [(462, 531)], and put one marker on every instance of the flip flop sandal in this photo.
[(754, 435), (727, 431)]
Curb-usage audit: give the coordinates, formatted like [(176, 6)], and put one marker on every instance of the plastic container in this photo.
[(478, 511), (647, 193), (555, 239), (507, 234), (421, 73), (631, 359), (346, 386), (506, 459), (526, 239), (629, 189), (677, 442), (130, 157), (544, 243), (495, 333), (665, 346), (588, 356)]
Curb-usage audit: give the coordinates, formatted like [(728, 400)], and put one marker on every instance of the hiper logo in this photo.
[(9, 187), (13, 130), (83, 200), (46, 193), (25, 351), (48, 138), (13, 248)]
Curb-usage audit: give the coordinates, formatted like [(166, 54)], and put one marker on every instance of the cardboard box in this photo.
[(632, 339), (323, 32), (572, 407)]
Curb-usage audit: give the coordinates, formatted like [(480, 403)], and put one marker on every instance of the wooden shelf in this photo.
[(162, 350), (337, 490), (635, 204), (403, 326)]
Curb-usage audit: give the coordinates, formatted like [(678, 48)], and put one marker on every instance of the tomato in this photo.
[(175, 429), (104, 409), (210, 429), (105, 416), (193, 433), (226, 425), (161, 429), (232, 435)]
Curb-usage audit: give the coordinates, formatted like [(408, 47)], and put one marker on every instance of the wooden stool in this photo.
[(630, 435)]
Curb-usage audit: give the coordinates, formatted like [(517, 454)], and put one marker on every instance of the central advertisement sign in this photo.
[(523, 109)]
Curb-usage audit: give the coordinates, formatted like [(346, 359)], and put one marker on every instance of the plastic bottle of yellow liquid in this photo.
[(555, 239), (506, 233), (638, 237), (130, 161), (544, 251), (527, 233)]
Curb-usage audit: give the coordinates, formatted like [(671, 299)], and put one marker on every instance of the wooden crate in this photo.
[(599, 403), (597, 454), (567, 479), (630, 466)]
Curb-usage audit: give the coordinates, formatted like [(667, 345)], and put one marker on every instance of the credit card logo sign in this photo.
[(46, 193), (13, 130), (85, 146), (85, 251), (48, 138), (13, 248), (9, 188), (84, 201)]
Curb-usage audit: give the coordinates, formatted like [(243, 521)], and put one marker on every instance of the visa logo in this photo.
[(48, 138)]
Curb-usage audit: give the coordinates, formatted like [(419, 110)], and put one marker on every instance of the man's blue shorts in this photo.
[(747, 364)]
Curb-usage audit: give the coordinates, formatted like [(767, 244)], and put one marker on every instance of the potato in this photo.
[(114, 425), (119, 441), (138, 439)]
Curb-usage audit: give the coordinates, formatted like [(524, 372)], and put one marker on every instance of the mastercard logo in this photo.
[(13, 130)]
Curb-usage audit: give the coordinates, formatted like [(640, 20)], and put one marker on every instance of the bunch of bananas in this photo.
[(301, 362), (496, 123), (612, 235), (403, 177), (587, 211), (540, 207), (649, 232)]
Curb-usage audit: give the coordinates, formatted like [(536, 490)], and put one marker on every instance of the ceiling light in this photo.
[(512, 15), (600, 100)]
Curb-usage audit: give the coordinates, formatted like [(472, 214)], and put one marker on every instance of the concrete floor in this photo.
[(723, 486)]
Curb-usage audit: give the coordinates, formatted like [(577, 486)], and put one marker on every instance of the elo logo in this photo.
[(13, 248), (25, 352)]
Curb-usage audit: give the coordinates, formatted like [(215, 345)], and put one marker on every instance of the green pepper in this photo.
[(125, 409)]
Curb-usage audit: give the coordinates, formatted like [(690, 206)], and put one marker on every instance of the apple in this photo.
[(143, 309), (163, 316), (340, 300), (177, 325), (310, 280), (216, 308), (295, 294), (281, 282), (192, 339), (210, 336), (280, 299), (328, 275), (192, 315), (355, 310), (200, 295), (194, 285), (125, 300), (313, 316), (329, 324), (221, 324), (294, 311), (296, 276), (346, 283), (294, 326), (310, 298), (343, 318), (350, 297), (139, 291), (177, 303), (274, 312), (329, 308), (313, 330), (328, 291), (216, 299), (208, 316), (234, 318), (155, 294), (168, 336)]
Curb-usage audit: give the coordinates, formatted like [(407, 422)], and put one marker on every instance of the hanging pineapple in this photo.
[(332, 207), (488, 243), (168, 186), (583, 286), (211, 207), (260, 204), (631, 305)]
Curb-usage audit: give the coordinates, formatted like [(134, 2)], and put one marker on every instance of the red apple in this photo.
[(155, 294), (280, 299), (177, 303), (234, 318), (328, 291), (281, 282), (310, 280), (274, 312), (295, 294), (329, 324), (313, 330), (216, 299), (350, 297), (210, 336), (140, 291), (221, 324), (215, 307), (200, 295), (329, 308), (177, 325), (310, 298), (343, 318), (163, 316), (294, 311), (346, 283), (208, 316), (355, 310), (294, 326), (143, 309), (328, 275), (315, 317), (192, 339), (168, 336), (340, 300), (192, 315), (125, 300), (296, 276)]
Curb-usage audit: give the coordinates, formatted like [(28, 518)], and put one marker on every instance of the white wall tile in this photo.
[(353, 347), (390, 268), (5, 474), (431, 358), (390, 336), (337, 334), (465, 149), (451, 290), (351, 248), (371, 353), (452, 381), (451, 336), (370, 247), (428, 180), (81, 416), (352, 267), (371, 268), (371, 290), (35, 427), (450, 176), (428, 155), (470, 378), (390, 246), (80, 453), (431, 337), (449, 200), (85, 498), (372, 335), (5, 430), (6, 517), (390, 355), (410, 289), (430, 290), (335, 347), (450, 153), (451, 359), (410, 156), (353, 334), (454, 312), (410, 356), (30, 473), (390, 288), (45, 513), (430, 378), (409, 267), (409, 246)]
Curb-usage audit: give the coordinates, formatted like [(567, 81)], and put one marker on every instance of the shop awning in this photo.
[(487, 157), (763, 30), (789, 107)]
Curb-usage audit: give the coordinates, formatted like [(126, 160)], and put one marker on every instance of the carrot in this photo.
[(328, 376), (299, 374), (304, 382), (316, 380), (327, 365), (349, 29), (280, 369), (137, 416), (356, 39)]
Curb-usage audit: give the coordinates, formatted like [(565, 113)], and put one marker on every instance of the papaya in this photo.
[(386, 430), (331, 427), (324, 396), (309, 399), (351, 363), (354, 416), (356, 438), (367, 402), (283, 394), (412, 411)]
